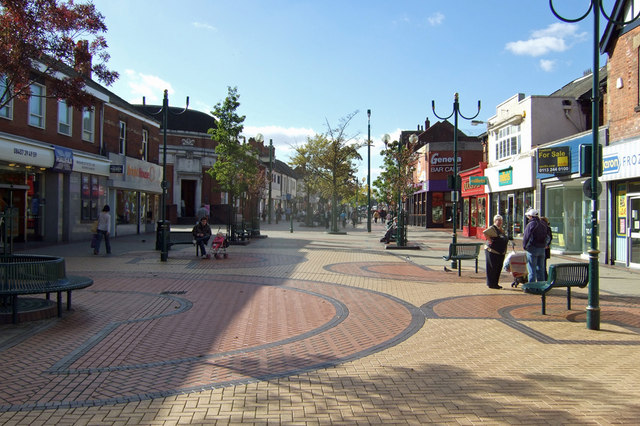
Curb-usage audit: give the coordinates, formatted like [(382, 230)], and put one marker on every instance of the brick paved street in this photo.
[(312, 328)]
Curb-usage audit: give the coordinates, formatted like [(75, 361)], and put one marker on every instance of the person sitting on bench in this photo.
[(201, 233)]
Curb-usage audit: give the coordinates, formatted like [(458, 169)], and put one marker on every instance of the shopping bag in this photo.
[(94, 227)]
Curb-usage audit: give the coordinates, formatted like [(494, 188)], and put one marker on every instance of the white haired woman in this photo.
[(496, 249)]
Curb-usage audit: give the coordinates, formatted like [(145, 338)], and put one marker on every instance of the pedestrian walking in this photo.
[(547, 247), (103, 230), (496, 249)]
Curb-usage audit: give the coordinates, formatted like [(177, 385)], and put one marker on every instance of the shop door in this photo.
[(510, 215), (188, 191), (634, 231)]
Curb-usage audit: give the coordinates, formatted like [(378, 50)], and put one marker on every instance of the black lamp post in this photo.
[(164, 226), (593, 309), (456, 178), (368, 170), (270, 176)]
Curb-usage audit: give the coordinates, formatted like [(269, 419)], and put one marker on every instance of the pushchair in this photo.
[(516, 263), (219, 246)]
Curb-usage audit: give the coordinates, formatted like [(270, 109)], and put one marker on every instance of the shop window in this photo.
[(90, 196), (88, 124), (6, 111), (126, 207), (123, 138), (509, 142), (36, 106), (145, 145), (64, 118), (482, 212)]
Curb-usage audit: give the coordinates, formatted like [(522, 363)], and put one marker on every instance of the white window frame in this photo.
[(7, 110), (145, 144), (122, 138), (508, 141), (88, 117), (37, 108), (65, 123)]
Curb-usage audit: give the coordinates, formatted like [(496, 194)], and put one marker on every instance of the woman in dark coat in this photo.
[(496, 249)]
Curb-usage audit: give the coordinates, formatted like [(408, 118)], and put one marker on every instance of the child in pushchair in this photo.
[(219, 246)]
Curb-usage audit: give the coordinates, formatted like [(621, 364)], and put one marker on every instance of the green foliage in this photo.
[(237, 164), (396, 179), (329, 162)]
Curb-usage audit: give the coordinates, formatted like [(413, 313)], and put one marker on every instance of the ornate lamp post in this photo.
[(270, 176), (368, 170), (593, 309), (164, 226), (456, 178)]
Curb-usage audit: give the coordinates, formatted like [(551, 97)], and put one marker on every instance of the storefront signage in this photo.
[(62, 160), (555, 160), (478, 180), (505, 177), (116, 168), (442, 164), (621, 161)]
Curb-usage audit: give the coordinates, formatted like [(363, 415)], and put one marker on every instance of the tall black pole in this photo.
[(368, 170), (270, 175), (456, 182), (164, 253)]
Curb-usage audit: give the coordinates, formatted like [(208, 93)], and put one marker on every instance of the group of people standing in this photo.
[(536, 242)]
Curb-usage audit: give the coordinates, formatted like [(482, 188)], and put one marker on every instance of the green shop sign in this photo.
[(505, 177)]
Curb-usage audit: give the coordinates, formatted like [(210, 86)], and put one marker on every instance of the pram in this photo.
[(516, 263), (219, 246)]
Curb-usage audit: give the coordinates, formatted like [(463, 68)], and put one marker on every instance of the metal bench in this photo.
[(463, 251), (560, 275), (36, 274)]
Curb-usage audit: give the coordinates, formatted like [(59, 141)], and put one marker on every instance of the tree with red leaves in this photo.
[(49, 38)]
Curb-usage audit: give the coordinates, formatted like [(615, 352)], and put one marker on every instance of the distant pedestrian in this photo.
[(376, 216), (104, 229), (496, 249), (202, 211)]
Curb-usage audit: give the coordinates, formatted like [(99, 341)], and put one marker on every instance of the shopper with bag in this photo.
[(103, 230)]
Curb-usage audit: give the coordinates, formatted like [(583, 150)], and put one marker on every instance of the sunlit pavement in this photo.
[(310, 327)]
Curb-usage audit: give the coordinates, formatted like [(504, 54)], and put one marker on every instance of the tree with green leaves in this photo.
[(237, 164), (301, 163), (331, 163), (51, 38)]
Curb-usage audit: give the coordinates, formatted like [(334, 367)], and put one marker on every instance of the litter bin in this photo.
[(163, 230)]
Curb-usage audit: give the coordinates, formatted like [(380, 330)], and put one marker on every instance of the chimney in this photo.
[(82, 57), (427, 124)]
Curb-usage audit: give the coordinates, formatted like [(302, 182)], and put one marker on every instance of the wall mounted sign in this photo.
[(555, 160), (505, 177)]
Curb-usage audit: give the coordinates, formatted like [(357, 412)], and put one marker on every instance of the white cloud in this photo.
[(150, 86), (204, 26), (557, 37), (547, 64), (285, 139), (436, 19)]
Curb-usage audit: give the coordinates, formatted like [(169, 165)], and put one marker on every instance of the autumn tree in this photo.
[(301, 162), (331, 163), (51, 38), (237, 164)]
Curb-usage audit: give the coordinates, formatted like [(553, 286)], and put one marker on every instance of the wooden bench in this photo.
[(560, 275), (463, 251), (36, 274)]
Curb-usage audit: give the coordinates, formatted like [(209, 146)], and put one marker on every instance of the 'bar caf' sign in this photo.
[(555, 160)]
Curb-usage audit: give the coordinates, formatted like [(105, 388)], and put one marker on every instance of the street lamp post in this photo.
[(456, 182), (368, 170), (593, 308), (270, 175), (164, 226)]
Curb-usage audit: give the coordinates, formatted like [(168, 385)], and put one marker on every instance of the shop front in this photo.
[(621, 171), (511, 193), (474, 201), (134, 194), (562, 185)]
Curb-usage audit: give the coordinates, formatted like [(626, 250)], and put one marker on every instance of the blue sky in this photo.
[(299, 64)]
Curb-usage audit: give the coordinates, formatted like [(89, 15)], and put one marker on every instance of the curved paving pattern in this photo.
[(404, 271), (521, 311), (188, 332)]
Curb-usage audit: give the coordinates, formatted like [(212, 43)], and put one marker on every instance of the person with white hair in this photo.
[(534, 243), (496, 249)]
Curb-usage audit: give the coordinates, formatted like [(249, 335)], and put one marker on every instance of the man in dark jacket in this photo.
[(534, 242), (201, 233)]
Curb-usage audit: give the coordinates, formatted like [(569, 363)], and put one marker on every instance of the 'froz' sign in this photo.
[(621, 161)]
